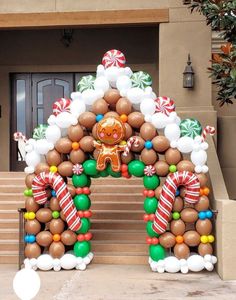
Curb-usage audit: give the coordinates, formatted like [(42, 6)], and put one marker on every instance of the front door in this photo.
[(32, 98)]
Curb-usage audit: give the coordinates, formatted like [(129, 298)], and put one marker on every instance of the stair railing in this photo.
[(21, 255)]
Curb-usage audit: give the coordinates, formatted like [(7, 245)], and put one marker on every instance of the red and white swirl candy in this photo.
[(132, 140), (45, 179), (61, 105), (19, 136), (164, 105), (167, 197), (149, 170), (113, 58), (77, 169), (207, 130)]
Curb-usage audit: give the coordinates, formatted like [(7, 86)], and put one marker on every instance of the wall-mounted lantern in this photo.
[(67, 37), (188, 75)]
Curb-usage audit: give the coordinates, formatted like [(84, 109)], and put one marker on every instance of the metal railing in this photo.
[(21, 255)]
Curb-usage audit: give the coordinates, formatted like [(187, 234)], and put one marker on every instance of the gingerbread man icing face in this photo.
[(110, 131)]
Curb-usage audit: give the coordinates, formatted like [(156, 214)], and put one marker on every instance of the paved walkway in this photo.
[(116, 282)]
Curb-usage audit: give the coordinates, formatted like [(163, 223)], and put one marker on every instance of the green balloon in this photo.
[(81, 249), (85, 225), (151, 182), (55, 214), (81, 180), (157, 252), (90, 167), (112, 173), (82, 202), (150, 205), (150, 231), (136, 168), (103, 173)]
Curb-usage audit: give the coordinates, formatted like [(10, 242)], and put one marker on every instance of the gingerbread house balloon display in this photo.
[(115, 125)]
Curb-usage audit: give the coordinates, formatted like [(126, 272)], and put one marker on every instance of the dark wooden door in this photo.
[(32, 98)]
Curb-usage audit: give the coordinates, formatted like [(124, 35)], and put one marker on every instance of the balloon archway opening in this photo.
[(115, 125)]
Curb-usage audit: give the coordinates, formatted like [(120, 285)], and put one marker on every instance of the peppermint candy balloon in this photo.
[(141, 80), (190, 127), (164, 105), (149, 170), (77, 169), (86, 83), (40, 132), (113, 58), (61, 105)]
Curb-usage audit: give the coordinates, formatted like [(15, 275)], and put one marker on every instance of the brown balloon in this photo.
[(30, 204), (182, 191), (32, 227), (77, 156), (86, 144), (68, 237), (56, 226), (185, 165), (62, 216), (204, 249), (202, 179), (160, 143), (111, 114), (100, 107), (136, 119), (203, 203), (177, 227), (204, 227), (128, 131), (63, 145), (54, 204), (71, 189), (56, 249), (94, 132), (189, 215), (173, 156), (44, 215), (162, 168), (87, 119), (41, 167), (123, 106), (181, 251), (32, 250), (65, 168), (158, 192), (167, 240), (191, 238), (148, 131), (75, 133), (28, 180), (53, 158), (112, 96), (126, 159), (149, 157), (178, 204), (44, 238), (140, 147)]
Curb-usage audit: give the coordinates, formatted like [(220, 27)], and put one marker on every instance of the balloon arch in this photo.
[(115, 125)]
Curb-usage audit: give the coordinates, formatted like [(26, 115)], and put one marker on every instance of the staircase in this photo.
[(117, 225)]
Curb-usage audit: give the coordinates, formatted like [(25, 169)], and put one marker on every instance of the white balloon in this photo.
[(29, 170), (43, 146), (123, 83), (76, 96), (199, 158), (86, 260), (32, 159), (172, 264), (77, 107), (53, 134), (112, 74), (159, 120), (68, 261), (66, 119), (185, 144), (195, 263), (90, 96), (52, 120), (135, 95), (148, 106), (101, 83), (81, 266), (172, 132), (26, 284), (45, 262)]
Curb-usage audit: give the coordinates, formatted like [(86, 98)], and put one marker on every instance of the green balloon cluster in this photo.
[(112, 173), (82, 202), (136, 168), (150, 205), (104, 173), (81, 180), (90, 167), (151, 182), (157, 252), (85, 226), (81, 249), (150, 231)]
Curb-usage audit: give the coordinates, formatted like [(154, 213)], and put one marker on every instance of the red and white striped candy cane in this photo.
[(132, 140), (167, 197), (208, 130), (19, 136), (45, 179)]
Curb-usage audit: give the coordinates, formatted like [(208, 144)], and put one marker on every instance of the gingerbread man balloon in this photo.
[(110, 132)]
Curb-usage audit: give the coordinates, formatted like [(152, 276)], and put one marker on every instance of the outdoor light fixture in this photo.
[(188, 75), (67, 37)]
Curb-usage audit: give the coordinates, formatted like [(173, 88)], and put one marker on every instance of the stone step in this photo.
[(6, 188), (117, 181), (9, 233), (117, 224), (9, 214), (11, 204), (119, 247), (9, 245), (115, 205), (12, 196), (121, 197), (123, 259), (9, 257), (9, 223), (116, 189), (12, 175), (118, 214), (123, 235)]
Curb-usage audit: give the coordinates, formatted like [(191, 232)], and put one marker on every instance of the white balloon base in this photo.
[(68, 261), (194, 263)]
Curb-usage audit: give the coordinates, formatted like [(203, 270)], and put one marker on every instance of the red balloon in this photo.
[(151, 217), (86, 191), (150, 193), (155, 241), (80, 213), (124, 168), (146, 217), (87, 214), (149, 240), (79, 190), (88, 236), (145, 192), (80, 237)]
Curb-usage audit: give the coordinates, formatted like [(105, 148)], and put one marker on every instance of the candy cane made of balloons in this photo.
[(54, 180), (208, 130), (18, 136), (132, 140), (167, 197)]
